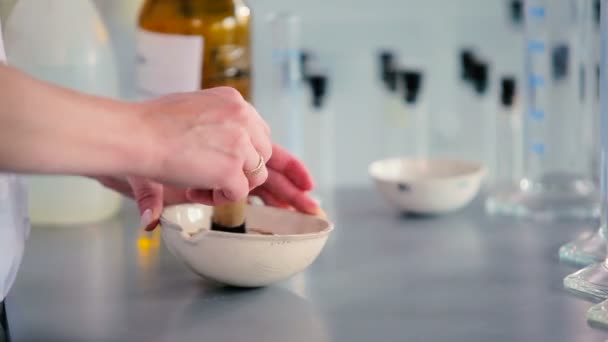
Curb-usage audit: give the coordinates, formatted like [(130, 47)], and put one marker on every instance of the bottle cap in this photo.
[(507, 91), (318, 83), (412, 81)]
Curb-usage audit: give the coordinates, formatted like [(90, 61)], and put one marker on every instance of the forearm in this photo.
[(48, 129)]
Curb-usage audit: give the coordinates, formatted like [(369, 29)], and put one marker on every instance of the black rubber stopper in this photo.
[(560, 57), (318, 83), (517, 11), (391, 80), (237, 230), (597, 11), (387, 65), (507, 91), (467, 61), (480, 77), (412, 81)]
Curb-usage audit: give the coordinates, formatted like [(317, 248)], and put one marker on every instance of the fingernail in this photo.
[(146, 218), (321, 213)]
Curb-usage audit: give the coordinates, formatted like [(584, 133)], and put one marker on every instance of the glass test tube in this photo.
[(557, 179), (393, 122), (508, 133), (414, 115), (319, 145), (484, 108), (287, 80)]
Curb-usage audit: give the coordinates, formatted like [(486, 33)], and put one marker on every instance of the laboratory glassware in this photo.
[(592, 281), (406, 131), (415, 114), (476, 110), (393, 118), (597, 316), (590, 248), (508, 135), (318, 134), (66, 43), (287, 80), (484, 108), (557, 179)]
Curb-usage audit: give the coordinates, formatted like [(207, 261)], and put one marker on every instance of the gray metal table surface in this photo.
[(381, 277)]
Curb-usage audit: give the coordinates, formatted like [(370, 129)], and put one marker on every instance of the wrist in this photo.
[(140, 152), (78, 133)]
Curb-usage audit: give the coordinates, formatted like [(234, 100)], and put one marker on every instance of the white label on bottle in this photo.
[(168, 63)]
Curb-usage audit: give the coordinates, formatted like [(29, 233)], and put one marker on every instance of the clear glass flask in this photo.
[(557, 181), (592, 281)]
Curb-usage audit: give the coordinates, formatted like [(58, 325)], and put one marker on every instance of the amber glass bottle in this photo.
[(186, 45), (183, 44)]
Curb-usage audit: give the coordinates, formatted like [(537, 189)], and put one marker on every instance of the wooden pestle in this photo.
[(229, 217)]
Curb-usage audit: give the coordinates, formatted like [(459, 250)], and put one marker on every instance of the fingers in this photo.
[(210, 197), (260, 135), (119, 185), (236, 169), (174, 195), (149, 198), (254, 167), (285, 163), (208, 142), (286, 191), (244, 113), (269, 198), (200, 196)]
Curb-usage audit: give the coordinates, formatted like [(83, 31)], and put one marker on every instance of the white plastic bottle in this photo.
[(64, 42)]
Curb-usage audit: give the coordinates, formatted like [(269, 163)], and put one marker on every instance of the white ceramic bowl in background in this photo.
[(244, 260), (427, 186)]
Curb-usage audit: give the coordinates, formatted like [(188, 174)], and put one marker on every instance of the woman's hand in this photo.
[(198, 145), (206, 140), (287, 186)]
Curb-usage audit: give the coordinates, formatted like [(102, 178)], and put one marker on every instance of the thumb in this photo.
[(149, 198)]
